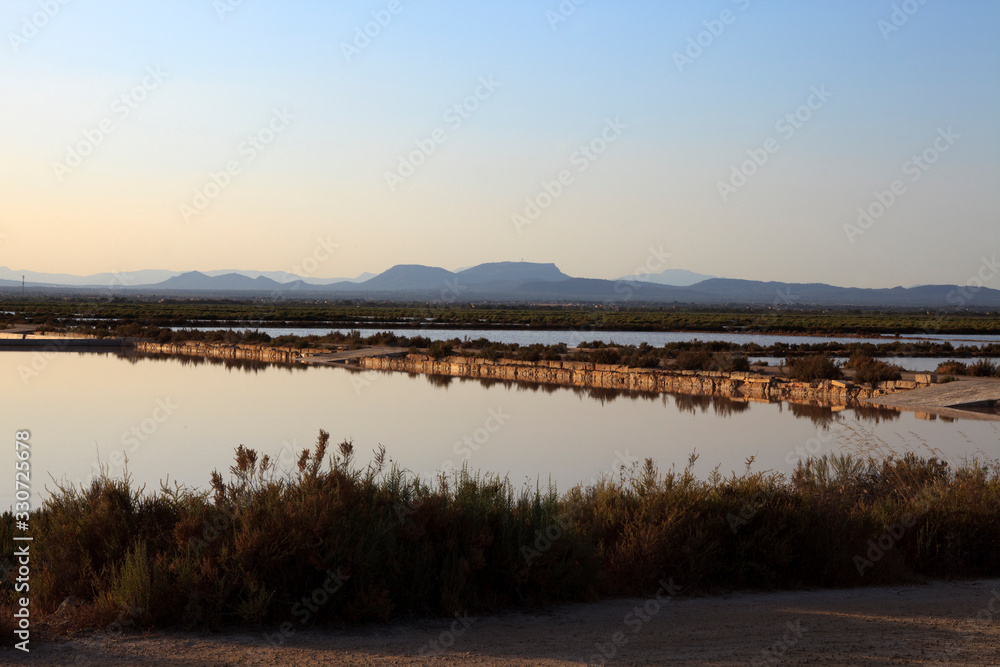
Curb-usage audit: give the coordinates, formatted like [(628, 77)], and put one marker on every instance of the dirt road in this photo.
[(939, 623)]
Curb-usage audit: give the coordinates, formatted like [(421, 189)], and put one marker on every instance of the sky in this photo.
[(852, 142)]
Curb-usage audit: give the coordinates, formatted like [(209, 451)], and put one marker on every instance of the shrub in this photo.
[(867, 369), (735, 362), (528, 354), (953, 367), (983, 368), (598, 355), (256, 336), (382, 543), (813, 367), (439, 349), (694, 360)]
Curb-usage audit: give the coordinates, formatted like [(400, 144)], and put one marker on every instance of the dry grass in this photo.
[(371, 543)]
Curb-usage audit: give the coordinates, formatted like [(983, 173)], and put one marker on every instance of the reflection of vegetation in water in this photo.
[(722, 406), (692, 402), (490, 382), (820, 415), (605, 395), (874, 413), (248, 365), (382, 543), (725, 407), (436, 380)]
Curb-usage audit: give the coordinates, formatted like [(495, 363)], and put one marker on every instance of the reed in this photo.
[(374, 542)]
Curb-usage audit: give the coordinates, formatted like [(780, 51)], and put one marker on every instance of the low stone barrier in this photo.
[(746, 385), (223, 351)]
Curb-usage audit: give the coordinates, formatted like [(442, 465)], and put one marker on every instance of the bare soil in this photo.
[(953, 623)]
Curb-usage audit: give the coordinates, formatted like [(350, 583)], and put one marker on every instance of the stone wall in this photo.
[(754, 386), (223, 351)]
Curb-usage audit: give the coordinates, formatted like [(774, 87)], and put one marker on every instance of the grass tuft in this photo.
[(334, 542)]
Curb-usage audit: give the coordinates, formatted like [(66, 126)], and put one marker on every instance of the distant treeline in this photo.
[(228, 313)]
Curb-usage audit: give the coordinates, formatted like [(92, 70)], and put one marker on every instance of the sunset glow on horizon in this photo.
[(852, 143)]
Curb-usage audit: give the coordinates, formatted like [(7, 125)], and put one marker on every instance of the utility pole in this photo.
[(22, 287)]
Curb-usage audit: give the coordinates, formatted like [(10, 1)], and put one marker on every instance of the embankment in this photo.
[(223, 351), (738, 385), (750, 386)]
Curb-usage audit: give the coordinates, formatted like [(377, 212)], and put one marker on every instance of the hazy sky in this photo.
[(735, 138)]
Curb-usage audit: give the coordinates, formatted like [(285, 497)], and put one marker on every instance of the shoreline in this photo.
[(735, 385), (739, 386), (749, 386)]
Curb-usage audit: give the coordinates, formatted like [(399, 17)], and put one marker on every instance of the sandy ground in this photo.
[(943, 398), (935, 624), (344, 355)]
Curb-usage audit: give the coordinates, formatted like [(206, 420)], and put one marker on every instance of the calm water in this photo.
[(573, 338), (183, 419)]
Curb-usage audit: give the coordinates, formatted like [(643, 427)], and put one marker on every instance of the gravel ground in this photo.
[(953, 623)]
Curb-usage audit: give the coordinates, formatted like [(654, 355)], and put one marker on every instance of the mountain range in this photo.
[(525, 282), (151, 276)]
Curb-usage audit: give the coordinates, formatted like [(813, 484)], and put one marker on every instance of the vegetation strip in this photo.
[(380, 543), (137, 317)]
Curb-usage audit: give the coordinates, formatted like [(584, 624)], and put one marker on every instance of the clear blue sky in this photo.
[(664, 182)]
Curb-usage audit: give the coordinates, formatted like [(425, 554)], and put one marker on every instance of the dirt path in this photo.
[(921, 625), (18, 330), (345, 355), (948, 399)]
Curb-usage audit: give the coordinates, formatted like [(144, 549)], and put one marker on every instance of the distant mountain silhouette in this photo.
[(675, 277), (531, 282), (510, 272), (286, 277), (148, 277), (408, 277), (196, 280), (97, 280)]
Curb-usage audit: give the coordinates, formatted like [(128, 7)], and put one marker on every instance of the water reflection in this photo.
[(722, 406), (89, 409), (692, 402), (247, 365), (874, 413), (820, 415), (439, 380)]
